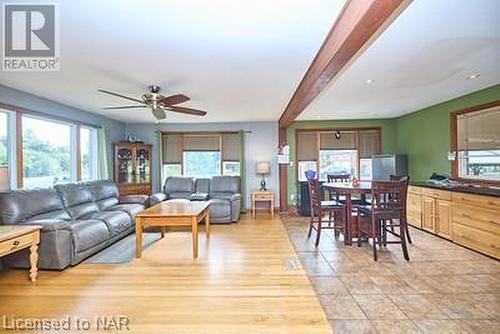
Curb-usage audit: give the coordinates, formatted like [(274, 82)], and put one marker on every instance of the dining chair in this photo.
[(388, 201), (338, 177), (334, 210), (405, 217)]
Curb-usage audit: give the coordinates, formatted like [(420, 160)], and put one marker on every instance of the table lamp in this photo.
[(263, 168)]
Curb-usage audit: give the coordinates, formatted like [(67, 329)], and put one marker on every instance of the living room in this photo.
[(235, 166)]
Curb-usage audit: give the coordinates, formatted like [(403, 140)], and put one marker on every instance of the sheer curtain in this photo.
[(103, 154)]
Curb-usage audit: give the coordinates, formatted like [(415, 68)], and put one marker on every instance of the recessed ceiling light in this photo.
[(369, 81), (473, 76)]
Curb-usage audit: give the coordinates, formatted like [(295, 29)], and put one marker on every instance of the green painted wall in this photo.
[(425, 134), (389, 140)]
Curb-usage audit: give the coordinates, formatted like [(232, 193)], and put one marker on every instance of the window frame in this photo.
[(71, 145), (183, 134), (357, 131), (454, 143), (93, 154), (15, 140)]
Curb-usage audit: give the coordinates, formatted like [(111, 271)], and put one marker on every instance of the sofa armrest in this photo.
[(157, 198), (50, 224), (235, 197), (133, 199)]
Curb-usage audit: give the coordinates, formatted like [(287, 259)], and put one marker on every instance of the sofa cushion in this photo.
[(77, 199), (219, 208), (104, 193), (198, 197), (230, 184), (178, 185), (88, 233), (179, 195), (21, 205), (202, 186), (131, 209), (222, 195), (117, 221)]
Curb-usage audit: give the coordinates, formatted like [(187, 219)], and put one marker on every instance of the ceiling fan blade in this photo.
[(119, 95), (124, 107), (158, 113), (173, 99), (189, 111)]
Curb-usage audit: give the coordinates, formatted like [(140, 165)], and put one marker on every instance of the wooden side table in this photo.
[(14, 238), (262, 196)]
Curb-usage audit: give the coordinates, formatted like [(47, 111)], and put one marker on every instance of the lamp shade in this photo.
[(263, 167)]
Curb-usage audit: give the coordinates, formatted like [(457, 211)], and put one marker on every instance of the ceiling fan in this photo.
[(158, 103)]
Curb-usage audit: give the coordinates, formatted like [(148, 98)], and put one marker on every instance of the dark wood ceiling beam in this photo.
[(358, 23)]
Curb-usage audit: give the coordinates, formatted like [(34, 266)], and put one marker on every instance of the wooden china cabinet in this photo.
[(133, 168)]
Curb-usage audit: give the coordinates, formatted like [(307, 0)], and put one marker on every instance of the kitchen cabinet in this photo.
[(467, 219), (414, 207)]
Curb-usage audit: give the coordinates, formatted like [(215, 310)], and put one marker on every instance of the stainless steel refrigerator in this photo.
[(384, 165)]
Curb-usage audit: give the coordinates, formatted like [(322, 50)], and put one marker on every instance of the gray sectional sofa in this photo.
[(77, 220), (223, 193)]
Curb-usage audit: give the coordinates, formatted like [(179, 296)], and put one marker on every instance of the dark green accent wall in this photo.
[(425, 134)]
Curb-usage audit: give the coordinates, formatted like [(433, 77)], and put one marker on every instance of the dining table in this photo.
[(347, 189)]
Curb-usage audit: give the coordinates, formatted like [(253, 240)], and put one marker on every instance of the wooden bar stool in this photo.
[(388, 201), (407, 180), (336, 213)]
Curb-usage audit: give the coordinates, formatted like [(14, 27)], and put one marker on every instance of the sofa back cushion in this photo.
[(179, 185), (225, 184), (77, 199), (202, 186), (104, 192), (24, 205)]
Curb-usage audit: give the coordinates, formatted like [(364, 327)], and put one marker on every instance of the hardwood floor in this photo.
[(247, 279)]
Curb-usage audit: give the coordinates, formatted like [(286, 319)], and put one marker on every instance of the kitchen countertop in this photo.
[(470, 189)]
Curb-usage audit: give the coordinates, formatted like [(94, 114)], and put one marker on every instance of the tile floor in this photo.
[(444, 288)]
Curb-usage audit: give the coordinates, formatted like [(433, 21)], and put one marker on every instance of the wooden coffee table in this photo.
[(173, 213), (13, 238)]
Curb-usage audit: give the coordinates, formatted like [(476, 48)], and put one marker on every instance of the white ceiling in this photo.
[(423, 58), (239, 60), (242, 60)]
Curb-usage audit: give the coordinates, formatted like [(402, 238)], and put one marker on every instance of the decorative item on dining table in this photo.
[(310, 174), (355, 182), (263, 168)]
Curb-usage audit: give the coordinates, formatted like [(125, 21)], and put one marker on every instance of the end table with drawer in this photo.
[(14, 238), (262, 196)]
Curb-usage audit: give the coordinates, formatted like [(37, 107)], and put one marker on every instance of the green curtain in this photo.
[(159, 144), (242, 172), (103, 154)]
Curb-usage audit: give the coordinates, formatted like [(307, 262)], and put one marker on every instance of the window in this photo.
[(88, 153), (304, 166), (333, 151), (201, 154), (365, 169), (478, 144), (4, 151), (201, 163), (231, 168), (337, 162), (172, 170), (46, 152)]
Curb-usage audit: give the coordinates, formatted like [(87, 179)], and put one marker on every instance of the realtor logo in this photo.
[(31, 37)]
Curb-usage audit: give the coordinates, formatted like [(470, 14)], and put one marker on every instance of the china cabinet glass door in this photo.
[(142, 166), (125, 165)]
